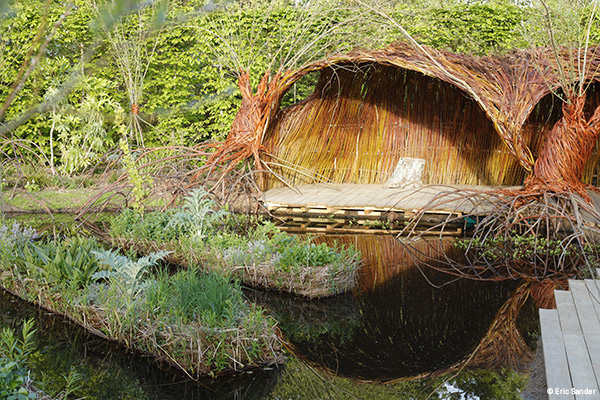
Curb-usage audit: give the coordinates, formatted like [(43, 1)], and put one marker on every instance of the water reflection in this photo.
[(396, 325), (110, 373), (401, 328)]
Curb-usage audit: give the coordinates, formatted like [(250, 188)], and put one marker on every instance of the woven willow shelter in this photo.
[(475, 120)]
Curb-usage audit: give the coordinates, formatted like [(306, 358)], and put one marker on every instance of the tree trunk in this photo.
[(567, 148)]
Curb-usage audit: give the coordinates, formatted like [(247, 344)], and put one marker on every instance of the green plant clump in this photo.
[(14, 354), (70, 262), (530, 250), (194, 320), (251, 249), (195, 220), (268, 245)]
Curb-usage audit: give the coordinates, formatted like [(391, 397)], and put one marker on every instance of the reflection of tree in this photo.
[(503, 344), (300, 380)]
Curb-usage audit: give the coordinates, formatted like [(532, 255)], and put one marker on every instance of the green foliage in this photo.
[(190, 87), (529, 249), (14, 354), (213, 308), (18, 349), (14, 236), (69, 262), (88, 122), (267, 244), (192, 295), (12, 380), (125, 271), (197, 217), (194, 220), (477, 28), (140, 183)]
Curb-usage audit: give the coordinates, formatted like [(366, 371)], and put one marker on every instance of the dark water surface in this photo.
[(396, 324)]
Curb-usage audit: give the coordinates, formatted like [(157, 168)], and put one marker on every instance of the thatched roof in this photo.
[(506, 88)]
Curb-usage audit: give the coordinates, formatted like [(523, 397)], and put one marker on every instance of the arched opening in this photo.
[(362, 118)]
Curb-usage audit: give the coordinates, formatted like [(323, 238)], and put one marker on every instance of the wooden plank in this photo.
[(375, 197), (593, 288), (580, 365), (367, 196), (357, 196), (346, 198), (590, 325), (555, 357)]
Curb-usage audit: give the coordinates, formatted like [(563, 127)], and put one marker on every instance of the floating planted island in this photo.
[(181, 301), (192, 320), (240, 247)]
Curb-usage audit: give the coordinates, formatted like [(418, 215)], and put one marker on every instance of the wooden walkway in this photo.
[(571, 341), (356, 208)]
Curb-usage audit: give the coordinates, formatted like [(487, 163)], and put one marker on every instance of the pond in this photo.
[(402, 323)]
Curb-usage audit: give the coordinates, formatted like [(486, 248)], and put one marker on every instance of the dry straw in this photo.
[(476, 120)]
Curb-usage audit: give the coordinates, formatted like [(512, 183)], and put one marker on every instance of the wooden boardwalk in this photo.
[(356, 208), (571, 341)]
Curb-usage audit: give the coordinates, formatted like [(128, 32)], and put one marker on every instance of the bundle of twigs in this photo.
[(526, 235), (358, 114)]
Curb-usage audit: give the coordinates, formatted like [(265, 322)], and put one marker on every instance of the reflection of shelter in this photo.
[(399, 326), (384, 257)]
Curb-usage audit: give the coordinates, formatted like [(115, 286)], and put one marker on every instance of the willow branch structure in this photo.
[(476, 120), (506, 120)]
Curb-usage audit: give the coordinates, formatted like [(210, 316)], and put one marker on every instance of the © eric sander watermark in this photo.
[(576, 391)]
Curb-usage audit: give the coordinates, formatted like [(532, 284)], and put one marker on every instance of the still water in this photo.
[(402, 322)]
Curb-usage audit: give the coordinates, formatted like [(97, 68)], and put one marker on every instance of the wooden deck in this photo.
[(571, 341), (346, 208), (358, 208)]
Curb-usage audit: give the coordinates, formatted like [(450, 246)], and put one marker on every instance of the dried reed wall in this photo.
[(361, 119)]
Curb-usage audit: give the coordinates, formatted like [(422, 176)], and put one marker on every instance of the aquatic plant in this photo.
[(14, 353), (69, 262), (528, 249), (15, 235), (219, 323), (194, 220), (192, 294), (263, 256), (197, 217), (196, 322), (124, 271)]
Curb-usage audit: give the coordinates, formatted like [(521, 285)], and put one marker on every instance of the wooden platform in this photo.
[(360, 208), (571, 341)]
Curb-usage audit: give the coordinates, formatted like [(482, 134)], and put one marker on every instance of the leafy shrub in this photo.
[(15, 235), (195, 220), (12, 379), (266, 244), (14, 353), (526, 247), (70, 262), (125, 271)]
